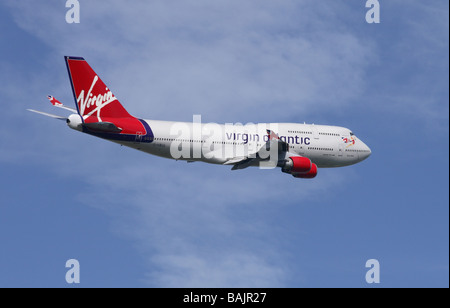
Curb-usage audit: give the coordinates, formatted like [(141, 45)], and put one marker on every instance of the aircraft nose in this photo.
[(365, 153)]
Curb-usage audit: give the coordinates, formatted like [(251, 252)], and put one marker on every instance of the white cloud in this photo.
[(213, 58), (228, 269), (201, 226)]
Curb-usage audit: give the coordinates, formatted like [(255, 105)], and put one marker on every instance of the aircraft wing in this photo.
[(235, 160), (274, 142), (58, 104)]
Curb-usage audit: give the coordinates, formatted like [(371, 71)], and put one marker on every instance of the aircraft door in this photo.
[(341, 149), (314, 131)]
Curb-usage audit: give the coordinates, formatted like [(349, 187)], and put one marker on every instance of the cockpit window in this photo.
[(351, 134)]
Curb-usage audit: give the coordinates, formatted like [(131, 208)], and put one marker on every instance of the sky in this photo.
[(136, 220)]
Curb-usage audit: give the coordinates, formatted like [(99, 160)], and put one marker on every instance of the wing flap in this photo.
[(235, 160)]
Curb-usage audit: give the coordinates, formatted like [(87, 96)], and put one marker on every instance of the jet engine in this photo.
[(300, 167), (308, 175)]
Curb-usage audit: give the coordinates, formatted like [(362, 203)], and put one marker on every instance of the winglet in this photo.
[(54, 101), (57, 103), (283, 146), (272, 135)]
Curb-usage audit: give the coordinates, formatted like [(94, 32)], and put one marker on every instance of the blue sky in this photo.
[(134, 220)]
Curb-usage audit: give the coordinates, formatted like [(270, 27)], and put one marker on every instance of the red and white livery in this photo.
[(298, 149)]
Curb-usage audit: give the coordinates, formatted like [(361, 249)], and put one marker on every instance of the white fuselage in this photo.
[(326, 146)]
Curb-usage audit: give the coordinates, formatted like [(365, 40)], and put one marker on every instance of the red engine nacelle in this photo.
[(298, 164), (307, 175)]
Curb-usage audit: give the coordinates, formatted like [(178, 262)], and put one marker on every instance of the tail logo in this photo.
[(88, 101)]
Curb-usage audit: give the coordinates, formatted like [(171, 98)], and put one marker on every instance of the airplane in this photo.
[(298, 149)]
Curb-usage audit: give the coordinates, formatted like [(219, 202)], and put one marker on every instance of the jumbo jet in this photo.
[(298, 149)]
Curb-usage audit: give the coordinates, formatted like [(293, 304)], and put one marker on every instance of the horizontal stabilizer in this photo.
[(49, 115), (104, 127)]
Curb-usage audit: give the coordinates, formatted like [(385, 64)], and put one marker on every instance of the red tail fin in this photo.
[(94, 99)]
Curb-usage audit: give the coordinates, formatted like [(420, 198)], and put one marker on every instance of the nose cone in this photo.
[(365, 151)]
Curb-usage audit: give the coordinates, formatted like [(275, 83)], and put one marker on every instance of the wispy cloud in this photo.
[(212, 57), (200, 226)]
